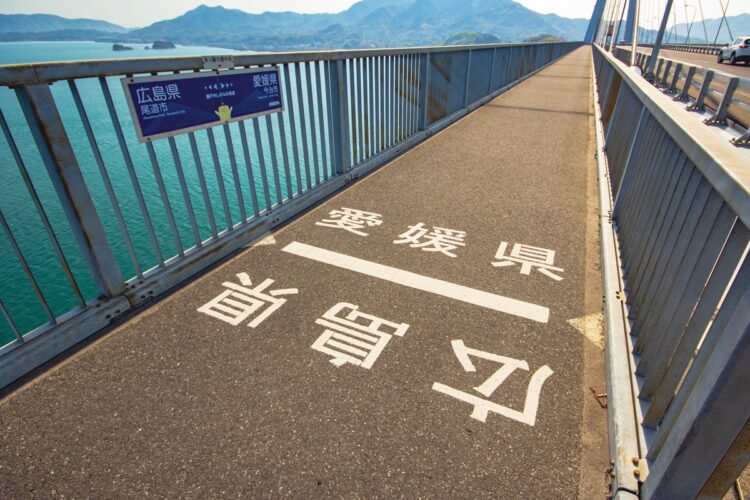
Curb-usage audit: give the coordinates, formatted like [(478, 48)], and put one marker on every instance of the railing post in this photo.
[(698, 105), (339, 117), (424, 82), (48, 131), (468, 75), (492, 70), (720, 117)]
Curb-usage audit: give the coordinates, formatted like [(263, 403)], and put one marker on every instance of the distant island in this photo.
[(118, 47), (470, 38), (162, 45)]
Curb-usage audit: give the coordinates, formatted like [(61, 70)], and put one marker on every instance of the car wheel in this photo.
[(719, 58), (733, 60)]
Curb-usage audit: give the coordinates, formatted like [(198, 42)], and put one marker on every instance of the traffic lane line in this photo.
[(425, 283)]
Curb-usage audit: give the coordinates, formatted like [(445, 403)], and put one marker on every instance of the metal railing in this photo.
[(94, 222), (675, 233), (697, 48), (726, 96)]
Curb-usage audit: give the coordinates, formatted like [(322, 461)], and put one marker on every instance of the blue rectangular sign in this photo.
[(163, 106)]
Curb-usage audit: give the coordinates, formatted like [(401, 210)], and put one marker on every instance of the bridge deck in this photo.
[(179, 401)]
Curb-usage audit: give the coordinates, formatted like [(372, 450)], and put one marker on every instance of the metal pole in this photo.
[(634, 36), (595, 22), (632, 4), (659, 37), (340, 117), (616, 31), (703, 20), (690, 25), (721, 22)]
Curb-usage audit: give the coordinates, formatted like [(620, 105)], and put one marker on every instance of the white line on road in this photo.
[(424, 283)]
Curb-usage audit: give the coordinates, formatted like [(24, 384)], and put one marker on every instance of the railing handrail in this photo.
[(48, 72), (726, 93)]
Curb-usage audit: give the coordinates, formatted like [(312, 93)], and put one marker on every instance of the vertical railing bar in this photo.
[(422, 104), (407, 94), (292, 127), (377, 117), (10, 321), (131, 169), (397, 97), (303, 122), (262, 164), (26, 268), (235, 172), (335, 144), (105, 176), (40, 210), (492, 71), (220, 178), (204, 187), (249, 168), (321, 119), (381, 102), (401, 75), (164, 197), (394, 102), (387, 115), (274, 159), (185, 192), (351, 92), (371, 103), (468, 79), (365, 108), (285, 156), (415, 93), (360, 71), (390, 121), (313, 132)]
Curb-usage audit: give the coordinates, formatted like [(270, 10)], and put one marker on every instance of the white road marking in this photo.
[(483, 407), (438, 287)]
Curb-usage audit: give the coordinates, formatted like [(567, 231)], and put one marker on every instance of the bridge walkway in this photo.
[(425, 334)]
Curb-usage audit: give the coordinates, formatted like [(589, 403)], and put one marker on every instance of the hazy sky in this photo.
[(132, 13)]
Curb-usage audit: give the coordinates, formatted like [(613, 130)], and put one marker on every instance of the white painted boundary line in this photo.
[(424, 283)]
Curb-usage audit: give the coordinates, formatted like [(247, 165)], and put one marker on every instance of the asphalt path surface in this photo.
[(703, 60), (180, 403)]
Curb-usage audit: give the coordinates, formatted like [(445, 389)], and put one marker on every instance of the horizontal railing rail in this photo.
[(697, 48), (676, 215), (727, 96), (94, 222)]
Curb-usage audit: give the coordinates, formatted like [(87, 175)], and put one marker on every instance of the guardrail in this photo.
[(96, 223), (697, 48), (726, 95), (675, 216)]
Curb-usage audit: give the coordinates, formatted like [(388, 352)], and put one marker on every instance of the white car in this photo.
[(737, 51)]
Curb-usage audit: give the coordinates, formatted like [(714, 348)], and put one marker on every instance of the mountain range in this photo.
[(367, 23), (39, 23)]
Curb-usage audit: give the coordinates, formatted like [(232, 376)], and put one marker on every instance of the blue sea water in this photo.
[(16, 291)]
